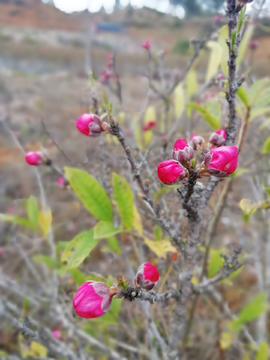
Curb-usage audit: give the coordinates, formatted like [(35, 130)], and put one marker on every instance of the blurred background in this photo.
[(48, 51)]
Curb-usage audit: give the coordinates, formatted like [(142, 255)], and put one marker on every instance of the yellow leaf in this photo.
[(138, 135), (45, 220), (246, 207), (244, 44), (215, 59), (226, 340), (150, 115), (137, 221), (38, 350), (223, 36), (121, 117), (179, 100), (192, 83), (160, 248)]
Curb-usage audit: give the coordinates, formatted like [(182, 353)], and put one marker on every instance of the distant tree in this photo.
[(195, 7)]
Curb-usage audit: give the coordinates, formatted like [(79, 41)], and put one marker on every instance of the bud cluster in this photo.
[(93, 298), (219, 161)]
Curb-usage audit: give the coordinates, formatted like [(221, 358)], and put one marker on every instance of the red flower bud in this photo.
[(147, 276), (196, 140), (93, 299), (33, 158), (89, 124), (182, 152), (218, 138), (146, 45), (222, 161), (170, 172), (149, 125)]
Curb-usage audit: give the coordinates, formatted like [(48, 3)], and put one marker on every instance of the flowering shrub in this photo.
[(148, 241)]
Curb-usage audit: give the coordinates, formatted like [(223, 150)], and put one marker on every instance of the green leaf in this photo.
[(192, 83), (164, 190), (112, 315), (32, 211), (244, 44), (46, 260), (77, 276), (211, 120), (179, 100), (105, 229), (250, 312), (91, 193), (267, 190), (243, 96), (113, 245), (256, 89), (79, 248), (45, 221), (16, 220), (158, 233), (215, 59), (223, 36), (241, 19), (233, 39), (263, 351), (215, 263), (124, 198), (266, 146), (265, 124), (239, 172)]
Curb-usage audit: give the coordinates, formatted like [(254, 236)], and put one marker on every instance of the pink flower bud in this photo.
[(222, 161), (182, 152), (61, 182), (33, 158), (149, 125), (89, 124), (170, 172), (146, 45), (218, 138), (147, 276), (110, 64), (56, 334), (196, 140), (216, 18), (93, 299), (1, 251), (253, 44)]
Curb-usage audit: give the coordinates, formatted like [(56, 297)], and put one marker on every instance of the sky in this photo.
[(95, 5)]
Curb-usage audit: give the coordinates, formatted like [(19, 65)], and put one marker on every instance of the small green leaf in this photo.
[(113, 245), (250, 312), (241, 19), (32, 211), (266, 146), (243, 96), (16, 220), (255, 113), (244, 44), (164, 190), (223, 35), (192, 83), (211, 120), (239, 172), (78, 249), (233, 39), (77, 276), (158, 233), (46, 260), (105, 229), (215, 263), (91, 193), (124, 198), (263, 351), (267, 190)]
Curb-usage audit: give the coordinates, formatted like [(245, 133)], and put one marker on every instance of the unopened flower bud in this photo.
[(34, 158), (196, 141), (149, 125), (171, 172), (222, 161), (147, 276), (89, 125), (93, 299), (146, 45), (182, 152), (253, 44), (218, 138), (56, 334)]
